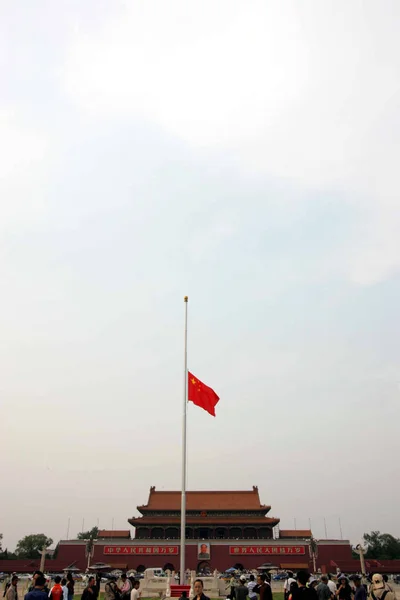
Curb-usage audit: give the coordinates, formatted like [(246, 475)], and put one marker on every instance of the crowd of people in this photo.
[(302, 587), (306, 587), (64, 588), (252, 589)]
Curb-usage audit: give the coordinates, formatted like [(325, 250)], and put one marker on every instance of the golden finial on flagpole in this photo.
[(186, 298)]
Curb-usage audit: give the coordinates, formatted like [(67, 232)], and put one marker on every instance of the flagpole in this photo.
[(183, 500)]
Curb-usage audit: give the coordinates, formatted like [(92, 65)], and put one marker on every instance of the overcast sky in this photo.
[(244, 153)]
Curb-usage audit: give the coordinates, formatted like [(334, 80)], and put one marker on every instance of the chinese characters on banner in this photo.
[(149, 550), (174, 550), (298, 550)]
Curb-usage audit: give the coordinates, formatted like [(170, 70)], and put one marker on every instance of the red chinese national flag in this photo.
[(201, 395)]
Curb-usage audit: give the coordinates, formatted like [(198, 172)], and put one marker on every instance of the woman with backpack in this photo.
[(111, 591)]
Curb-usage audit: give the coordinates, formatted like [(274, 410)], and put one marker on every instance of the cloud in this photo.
[(23, 151), (20, 147), (311, 96)]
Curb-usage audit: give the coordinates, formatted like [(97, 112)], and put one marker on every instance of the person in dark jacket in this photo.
[(70, 585), (198, 591), (241, 591), (38, 592), (34, 577), (90, 591), (323, 591), (344, 591), (360, 592), (263, 587), (303, 592)]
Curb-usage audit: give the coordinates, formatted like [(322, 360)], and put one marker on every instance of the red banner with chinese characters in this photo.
[(277, 550), (149, 550)]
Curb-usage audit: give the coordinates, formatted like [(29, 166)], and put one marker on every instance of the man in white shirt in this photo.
[(331, 585), (250, 586), (286, 586), (64, 588), (135, 594)]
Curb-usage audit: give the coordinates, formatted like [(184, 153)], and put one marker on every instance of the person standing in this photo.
[(251, 585), (241, 591), (70, 585), (288, 582), (302, 592), (56, 592), (111, 591), (263, 587), (198, 591), (89, 593), (360, 591), (12, 591), (323, 591), (35, 575), (135, 594), (344, 590), (126, 587), (231, 587), (38, 592), (331, 585), (379, 590), (64, 588)]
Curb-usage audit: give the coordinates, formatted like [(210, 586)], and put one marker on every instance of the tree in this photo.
[(92, 534), (5, 554), (31, 546), (381, 545), (314, 552)]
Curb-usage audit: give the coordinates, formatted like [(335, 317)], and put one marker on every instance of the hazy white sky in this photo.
[(243, 153)]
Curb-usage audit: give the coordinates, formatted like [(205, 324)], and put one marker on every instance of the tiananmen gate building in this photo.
[(209, 516), (223, 529)]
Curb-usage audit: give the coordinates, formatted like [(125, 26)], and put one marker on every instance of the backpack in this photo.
[(382, 597)]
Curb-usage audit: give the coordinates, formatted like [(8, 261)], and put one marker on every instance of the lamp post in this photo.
[(314, 552), (360, 550), (43, 558)]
